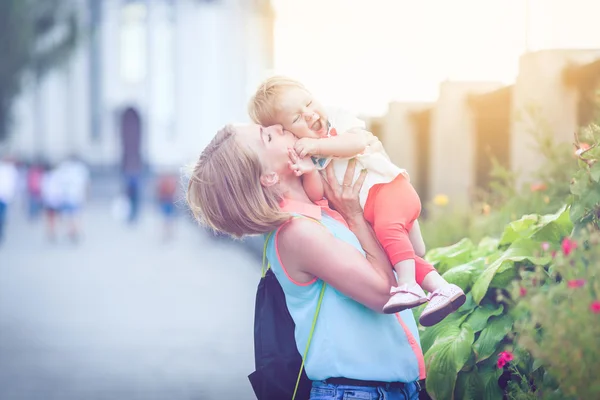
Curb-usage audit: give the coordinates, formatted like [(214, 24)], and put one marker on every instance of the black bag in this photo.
[(279, 366)]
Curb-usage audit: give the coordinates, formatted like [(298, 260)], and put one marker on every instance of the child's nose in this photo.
[(310, 115)]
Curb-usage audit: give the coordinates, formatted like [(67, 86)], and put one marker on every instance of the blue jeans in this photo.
[(325, 391)]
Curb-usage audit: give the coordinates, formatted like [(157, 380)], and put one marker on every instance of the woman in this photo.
[(242, 185)]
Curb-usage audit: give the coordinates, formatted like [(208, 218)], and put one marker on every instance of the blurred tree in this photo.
[(35, 36)]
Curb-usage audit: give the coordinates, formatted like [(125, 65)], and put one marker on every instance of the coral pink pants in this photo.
[(392, 208)]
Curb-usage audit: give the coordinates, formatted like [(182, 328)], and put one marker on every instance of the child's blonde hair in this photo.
[(263, 105), (225, 193)]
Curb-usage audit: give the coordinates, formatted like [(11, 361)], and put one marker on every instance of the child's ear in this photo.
[(269, 179)]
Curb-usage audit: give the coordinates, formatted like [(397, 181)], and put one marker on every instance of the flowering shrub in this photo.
[(558, 319), (585, 185), (530, 327), (461, 352)]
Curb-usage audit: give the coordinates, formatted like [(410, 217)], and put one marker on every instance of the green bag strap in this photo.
[(310, 335), (316, 316), (264, 260)]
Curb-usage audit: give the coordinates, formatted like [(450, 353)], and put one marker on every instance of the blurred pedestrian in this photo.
[(51, 200), (35, 173), (73, 178), (9, 177), (166, 190)]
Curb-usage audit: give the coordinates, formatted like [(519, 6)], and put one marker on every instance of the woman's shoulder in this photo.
[(300, 230)]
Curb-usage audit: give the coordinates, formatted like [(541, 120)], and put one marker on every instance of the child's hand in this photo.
[(306, 147), (298, 165)]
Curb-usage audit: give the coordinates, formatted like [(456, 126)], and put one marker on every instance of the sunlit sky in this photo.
[(362, 54)]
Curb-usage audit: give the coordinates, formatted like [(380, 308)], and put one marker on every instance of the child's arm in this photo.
[(416, 239), (313, 186), (343, 146)]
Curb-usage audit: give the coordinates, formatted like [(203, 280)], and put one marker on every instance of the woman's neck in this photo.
[(293, 190)]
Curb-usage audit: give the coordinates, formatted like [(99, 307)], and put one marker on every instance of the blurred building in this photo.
[(150, 82), (448, 146)]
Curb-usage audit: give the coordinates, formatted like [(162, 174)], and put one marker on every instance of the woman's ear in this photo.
[(269, 179)]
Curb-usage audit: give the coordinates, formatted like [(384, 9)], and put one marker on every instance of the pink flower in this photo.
[(553, 253), (501, 363), (595, 307), (568, 246), (504, 358), (575, 283), (522, 291), (507, 356), (545, 246)]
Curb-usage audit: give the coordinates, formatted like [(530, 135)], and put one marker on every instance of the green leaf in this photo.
[(469, 386), (469, 305), (479, 317), (471, 362), (590, 199), (492, 335), (523, 227), (537, 363), (486, 246), (460, 275), (446, 257), (520, 250), (489, 375), (551, 227), (445, 359), (580, 183), (504, 276), (554, 227), (441, 331), (595, 172), (577, 211)]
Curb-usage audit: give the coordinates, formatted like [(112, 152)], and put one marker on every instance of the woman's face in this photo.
[(271, 144)]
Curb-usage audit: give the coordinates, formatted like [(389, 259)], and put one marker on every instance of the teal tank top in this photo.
[(350, 340)]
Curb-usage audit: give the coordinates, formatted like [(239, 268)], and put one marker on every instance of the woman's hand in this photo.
[(344, 198)]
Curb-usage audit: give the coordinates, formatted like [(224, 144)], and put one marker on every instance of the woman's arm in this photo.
[(345, 200), (308, 250)]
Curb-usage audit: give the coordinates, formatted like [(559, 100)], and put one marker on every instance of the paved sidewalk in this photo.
[(124, 315)]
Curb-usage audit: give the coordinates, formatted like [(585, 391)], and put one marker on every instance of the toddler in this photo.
[(390, 203)]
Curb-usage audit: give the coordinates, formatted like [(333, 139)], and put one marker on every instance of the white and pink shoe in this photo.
[(404, 297), (442, 303)]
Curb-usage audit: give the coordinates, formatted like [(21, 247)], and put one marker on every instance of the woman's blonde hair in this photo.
[(225, 192), (263, 105)]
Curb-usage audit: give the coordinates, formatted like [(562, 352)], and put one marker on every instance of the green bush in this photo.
[(558, 319), (461, 352), (585, 185), (533, 301)]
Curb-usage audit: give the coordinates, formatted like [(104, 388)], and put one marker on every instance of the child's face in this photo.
[(301, 114)]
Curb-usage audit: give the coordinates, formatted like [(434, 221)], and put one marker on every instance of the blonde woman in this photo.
[(244, 184)]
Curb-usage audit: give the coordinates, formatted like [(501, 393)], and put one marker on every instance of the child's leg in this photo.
[(433, 281), (426, 275), (391, 209)]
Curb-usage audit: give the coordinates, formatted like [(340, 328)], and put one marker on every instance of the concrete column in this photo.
[(452, 141), (399, 136), (542, 104)]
